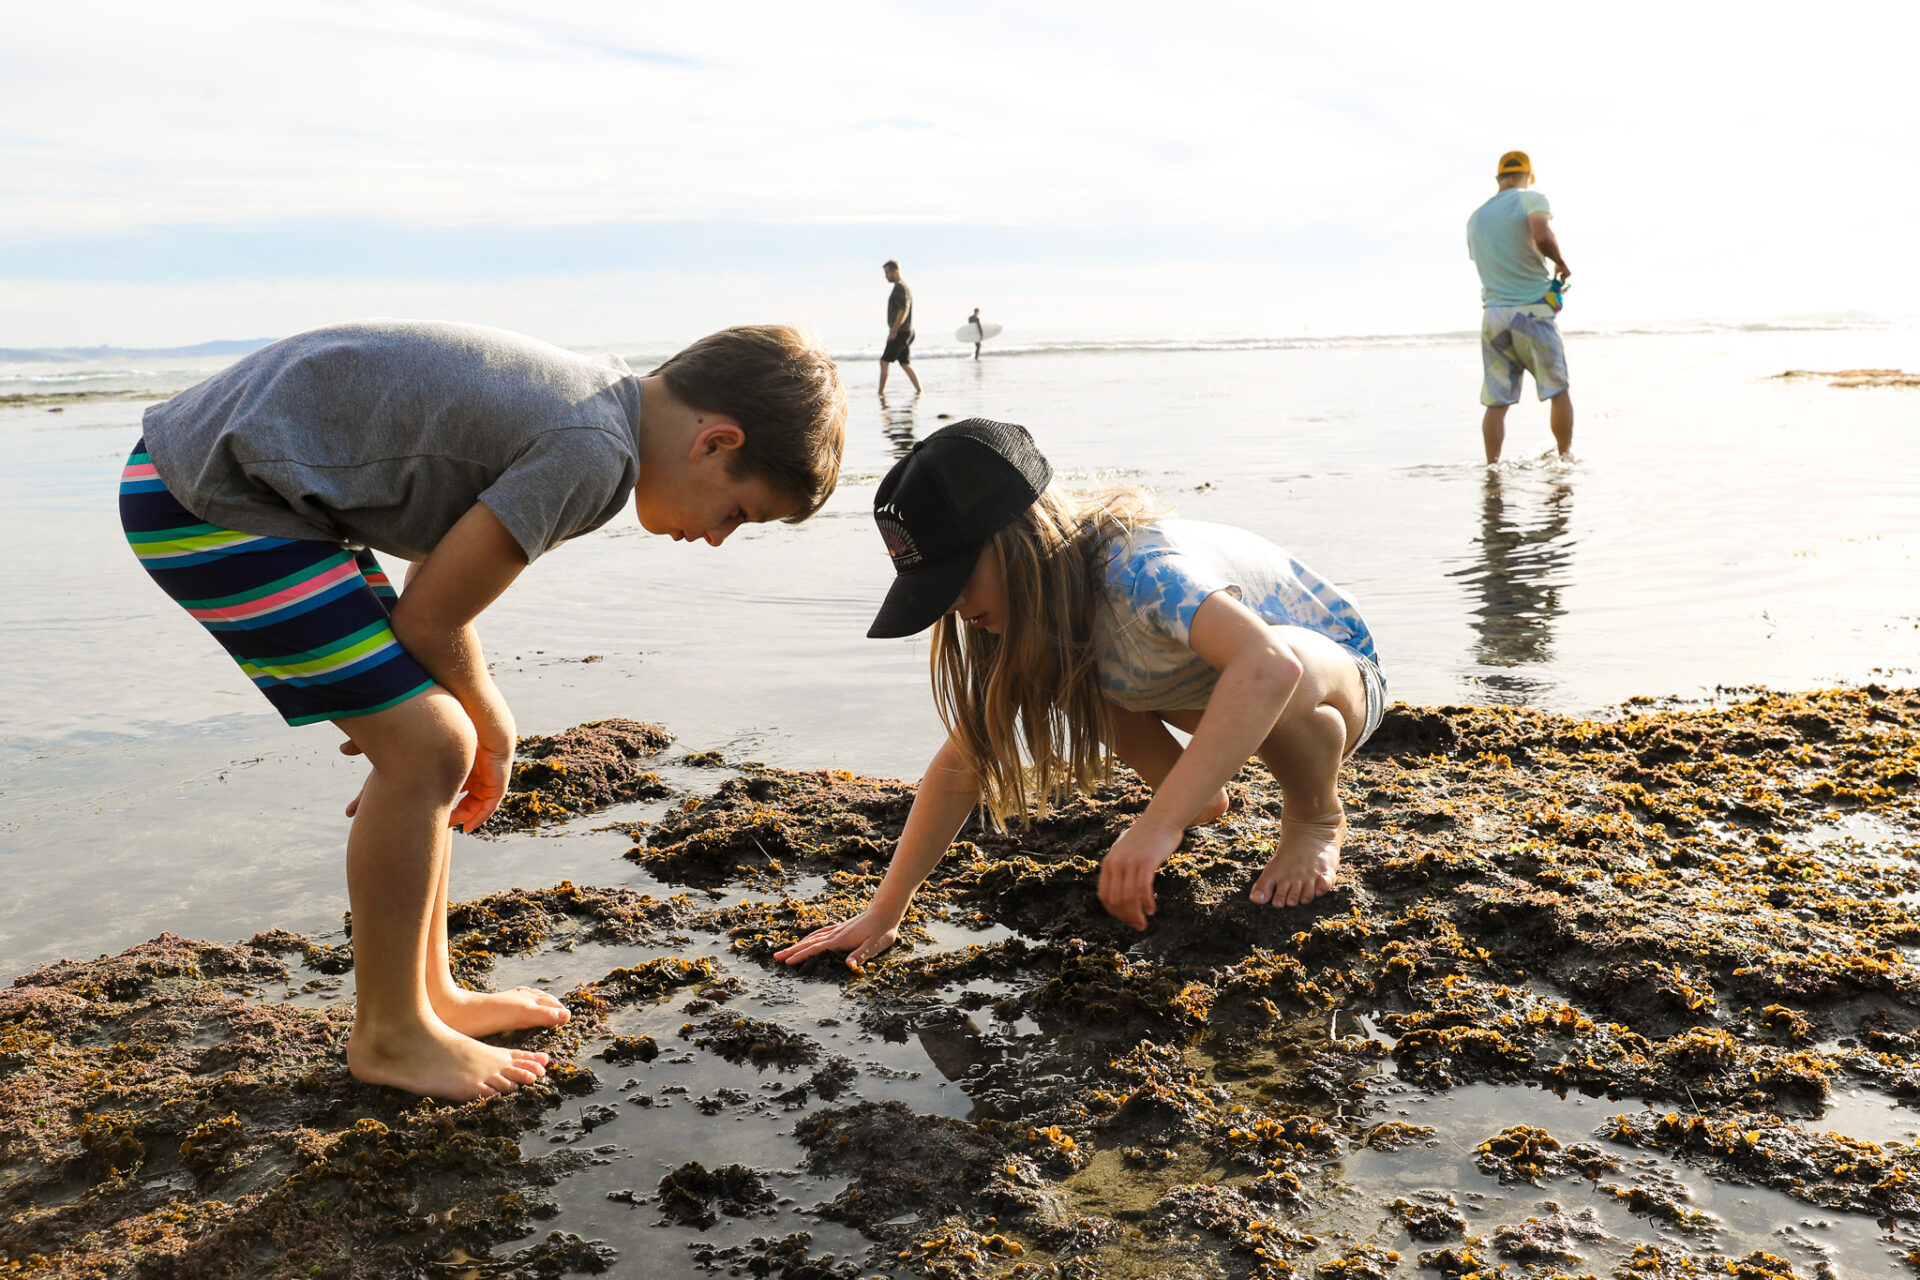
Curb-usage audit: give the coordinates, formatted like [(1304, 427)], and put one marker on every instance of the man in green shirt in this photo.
[(1510, 239)]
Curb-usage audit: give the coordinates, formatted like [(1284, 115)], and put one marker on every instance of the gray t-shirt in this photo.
[(383, 433)]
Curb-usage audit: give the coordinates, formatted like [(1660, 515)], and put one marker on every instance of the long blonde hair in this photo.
[(1025, 707)]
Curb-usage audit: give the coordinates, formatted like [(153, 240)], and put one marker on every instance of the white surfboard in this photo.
[(976, 331)]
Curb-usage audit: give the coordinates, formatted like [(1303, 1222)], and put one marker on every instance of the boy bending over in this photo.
[(257, 498)]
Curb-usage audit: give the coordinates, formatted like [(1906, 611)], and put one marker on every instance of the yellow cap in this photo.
[(1514, 162)]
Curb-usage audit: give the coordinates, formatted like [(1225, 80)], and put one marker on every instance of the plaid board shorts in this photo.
[(306, 620), (1517, 339)]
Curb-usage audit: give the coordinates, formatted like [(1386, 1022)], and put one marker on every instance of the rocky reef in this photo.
[(1661, 950)]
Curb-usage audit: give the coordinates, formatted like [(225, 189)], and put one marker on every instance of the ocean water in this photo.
[(1721, 528)]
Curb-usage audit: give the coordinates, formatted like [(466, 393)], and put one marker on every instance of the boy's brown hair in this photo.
[(784, 391)]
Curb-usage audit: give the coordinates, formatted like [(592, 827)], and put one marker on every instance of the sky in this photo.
[(603, 171)]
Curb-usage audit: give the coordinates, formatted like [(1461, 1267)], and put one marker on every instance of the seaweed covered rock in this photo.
[(769, 820), (517, 921), (753, 1040), (591, 1002), (696, 1195), (588, 767), (897, 1160), (1828, 1169), (1712, 911), (154, 1110)]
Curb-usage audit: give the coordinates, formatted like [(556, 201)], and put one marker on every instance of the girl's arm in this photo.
[(1140, 738), (947, 794), (1258, 674)]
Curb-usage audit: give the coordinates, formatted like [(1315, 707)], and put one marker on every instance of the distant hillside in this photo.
[(225, 347)]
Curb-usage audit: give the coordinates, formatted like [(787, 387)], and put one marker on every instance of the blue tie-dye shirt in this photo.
[(1155, 581)]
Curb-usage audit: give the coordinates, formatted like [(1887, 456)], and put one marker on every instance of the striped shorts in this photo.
[(306, 620)]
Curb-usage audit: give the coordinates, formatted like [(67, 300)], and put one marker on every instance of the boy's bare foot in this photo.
[(486, 1013), (1304, 865), (435, 1060)]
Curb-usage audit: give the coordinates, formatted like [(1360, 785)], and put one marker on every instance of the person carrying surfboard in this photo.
[(976, 331), (899, 327)]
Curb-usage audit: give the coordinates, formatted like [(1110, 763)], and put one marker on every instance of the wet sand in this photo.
[(1631, 995)]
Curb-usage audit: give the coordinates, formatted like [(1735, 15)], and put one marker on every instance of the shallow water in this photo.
[(1738, 1218), (1721, 528)]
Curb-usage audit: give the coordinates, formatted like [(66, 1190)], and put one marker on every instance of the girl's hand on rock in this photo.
[(862, 937), (1126, 873)]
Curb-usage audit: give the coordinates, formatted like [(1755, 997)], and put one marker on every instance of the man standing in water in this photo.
[(899, 327), (1510, 240)]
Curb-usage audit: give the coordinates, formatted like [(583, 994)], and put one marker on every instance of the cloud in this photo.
[(1723, 163), (893, 122), (652, 57)]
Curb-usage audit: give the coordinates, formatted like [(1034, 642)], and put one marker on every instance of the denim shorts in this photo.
[(1375, 682)]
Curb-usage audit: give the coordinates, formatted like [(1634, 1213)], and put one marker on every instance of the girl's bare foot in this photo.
[(1304, 865), (435, 1060), (485, 1013), (1215, 810)]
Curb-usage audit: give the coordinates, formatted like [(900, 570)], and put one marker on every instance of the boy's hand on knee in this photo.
[(352, 748), (484, 789), (1126, 873)]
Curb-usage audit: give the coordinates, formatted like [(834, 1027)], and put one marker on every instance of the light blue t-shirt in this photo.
[(1155, 581), (1512, 272)]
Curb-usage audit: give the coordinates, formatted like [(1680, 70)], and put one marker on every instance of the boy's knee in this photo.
[(426, 743), (447, 758)]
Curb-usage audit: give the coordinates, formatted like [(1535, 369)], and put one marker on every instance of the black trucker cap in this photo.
[(937, 508)]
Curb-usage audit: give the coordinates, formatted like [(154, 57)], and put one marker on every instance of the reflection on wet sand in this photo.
[(1521, 566), (969, 1057), (896, 422)]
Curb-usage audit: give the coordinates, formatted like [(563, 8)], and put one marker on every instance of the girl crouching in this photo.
[(1070, 630)]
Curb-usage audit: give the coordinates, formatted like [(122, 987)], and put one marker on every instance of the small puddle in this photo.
[(1886, 843), (1867, 1115), (689, 1103), (1738, 1219)]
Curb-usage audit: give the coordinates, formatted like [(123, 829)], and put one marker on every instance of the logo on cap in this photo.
[(893, 532)]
